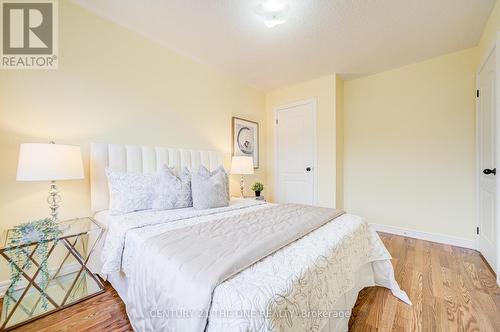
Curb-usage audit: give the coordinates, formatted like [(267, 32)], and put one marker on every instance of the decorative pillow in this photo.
[(206, 173), (209, 189), (172, 191), (130, 192)]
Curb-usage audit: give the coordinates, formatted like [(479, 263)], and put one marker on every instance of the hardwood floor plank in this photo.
[(452, 289), (388, 311), (417, 300), (430, 314), (484, 303), (379, 300)]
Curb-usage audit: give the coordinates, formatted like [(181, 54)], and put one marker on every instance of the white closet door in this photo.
[(487, 196), (295, 148)]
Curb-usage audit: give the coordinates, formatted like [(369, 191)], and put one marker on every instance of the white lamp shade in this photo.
[(47, 162), (242, 165)]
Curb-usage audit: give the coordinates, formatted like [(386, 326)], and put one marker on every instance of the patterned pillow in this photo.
[(206, 173), (209, 189), (130, 191), (172, 192)]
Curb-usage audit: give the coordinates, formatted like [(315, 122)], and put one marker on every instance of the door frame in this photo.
[(491, 49), (314, 103)]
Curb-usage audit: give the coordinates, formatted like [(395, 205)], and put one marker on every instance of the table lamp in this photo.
[(242, 165), (50, 162)]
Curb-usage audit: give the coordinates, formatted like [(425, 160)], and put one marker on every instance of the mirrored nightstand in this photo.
[(70, 280)]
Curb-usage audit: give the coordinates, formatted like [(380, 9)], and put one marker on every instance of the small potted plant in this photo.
[(257, 187)]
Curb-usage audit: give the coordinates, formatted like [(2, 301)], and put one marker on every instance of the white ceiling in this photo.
[(350, 37)]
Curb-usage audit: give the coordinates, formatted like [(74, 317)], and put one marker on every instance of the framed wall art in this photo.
[(246, 139)]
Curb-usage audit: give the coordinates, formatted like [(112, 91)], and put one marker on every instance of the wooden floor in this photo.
[(452, 289)]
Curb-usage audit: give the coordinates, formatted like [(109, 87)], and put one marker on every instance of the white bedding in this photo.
[(307, 276), (119, 227), (365, 277)]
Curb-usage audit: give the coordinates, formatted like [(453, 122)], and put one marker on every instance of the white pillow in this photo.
[(202, 170), (210, 189), (172, 191), (129, 192)]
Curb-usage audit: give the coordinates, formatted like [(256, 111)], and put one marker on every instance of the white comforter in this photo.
[(293, 289), (119, 226)]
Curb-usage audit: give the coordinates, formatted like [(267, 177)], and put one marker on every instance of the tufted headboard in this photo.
[(143, 159)]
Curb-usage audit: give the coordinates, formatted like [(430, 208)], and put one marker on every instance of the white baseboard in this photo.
[(67, 269), (433, 237)]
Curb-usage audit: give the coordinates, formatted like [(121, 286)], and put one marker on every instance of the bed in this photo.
[(162, 263)]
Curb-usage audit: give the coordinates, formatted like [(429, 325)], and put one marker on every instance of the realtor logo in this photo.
[(29, 34)]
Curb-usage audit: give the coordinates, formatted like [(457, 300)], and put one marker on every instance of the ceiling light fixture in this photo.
[(274, 12)]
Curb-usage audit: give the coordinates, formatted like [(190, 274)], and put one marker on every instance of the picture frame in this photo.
[(245, 139)]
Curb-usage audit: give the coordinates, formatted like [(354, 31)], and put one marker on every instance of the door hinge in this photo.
[(477, 230), (276, 121), (477, 93)]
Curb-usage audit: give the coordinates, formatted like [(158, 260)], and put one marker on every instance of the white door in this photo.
[(487, 238), (295, 153)]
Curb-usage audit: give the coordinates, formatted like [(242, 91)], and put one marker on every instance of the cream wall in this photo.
[(323, 90), (113, 86), (410, 146), (339, 121)]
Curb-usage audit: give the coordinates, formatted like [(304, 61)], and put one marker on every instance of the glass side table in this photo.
[(69, 281)]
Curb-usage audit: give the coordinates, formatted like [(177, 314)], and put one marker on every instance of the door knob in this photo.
[(308, 169), (490, 171)]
